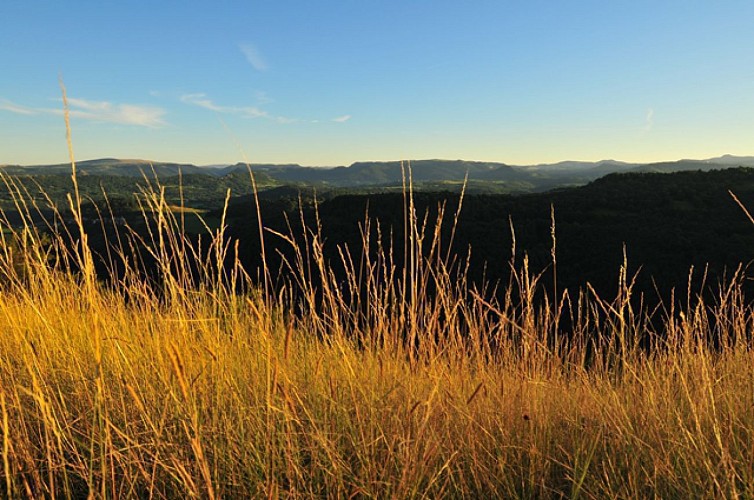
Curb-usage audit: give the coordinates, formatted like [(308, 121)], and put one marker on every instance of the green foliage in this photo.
[(197, 190)]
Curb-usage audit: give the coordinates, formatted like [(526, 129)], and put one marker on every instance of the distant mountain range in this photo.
[(435, 173)]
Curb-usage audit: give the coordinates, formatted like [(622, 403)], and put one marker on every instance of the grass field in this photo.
[(395, 383), (373, 389)]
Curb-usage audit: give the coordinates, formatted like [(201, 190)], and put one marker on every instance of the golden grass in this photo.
[(121, 391), (186, 210), (191, 389), (215, 396)]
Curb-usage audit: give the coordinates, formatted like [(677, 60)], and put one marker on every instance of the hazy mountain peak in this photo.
[(733, 160), (430, 173)]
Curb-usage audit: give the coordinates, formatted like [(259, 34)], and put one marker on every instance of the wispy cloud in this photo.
[(99, 111), (253, 56), (16, 108), (649, 121), (126, 114), (203, 101)]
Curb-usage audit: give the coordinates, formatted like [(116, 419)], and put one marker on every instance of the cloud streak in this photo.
[(202, 101), (16, 108), (253, 56), (98, 111)]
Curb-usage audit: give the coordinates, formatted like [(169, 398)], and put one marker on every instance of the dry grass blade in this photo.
[(735, 198)]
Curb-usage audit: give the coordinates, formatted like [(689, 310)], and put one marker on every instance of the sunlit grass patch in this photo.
[(386, 381)]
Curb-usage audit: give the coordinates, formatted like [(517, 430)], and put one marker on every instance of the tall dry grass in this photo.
[(397, 382)]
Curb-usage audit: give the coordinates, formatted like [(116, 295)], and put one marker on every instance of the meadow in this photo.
[(402, 381), (204, 380)]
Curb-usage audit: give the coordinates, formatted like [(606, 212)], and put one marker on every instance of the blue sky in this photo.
[(333, 82)]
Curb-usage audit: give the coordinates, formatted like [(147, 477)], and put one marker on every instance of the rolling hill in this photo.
[(433, 174)]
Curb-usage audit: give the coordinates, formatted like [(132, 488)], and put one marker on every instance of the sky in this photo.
[(328, 83)]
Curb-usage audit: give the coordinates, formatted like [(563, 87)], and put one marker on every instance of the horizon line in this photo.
[(502, 163)]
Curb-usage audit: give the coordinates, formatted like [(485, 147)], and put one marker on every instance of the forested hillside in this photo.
[(665, 222)]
